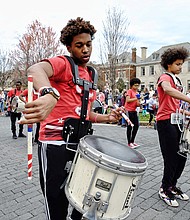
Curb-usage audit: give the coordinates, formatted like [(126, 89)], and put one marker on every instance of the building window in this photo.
[(122, 74), (188, 66), (155, 56), (142, 86), (106, 75), (151, 85), (188, 85), (143, 71), (151, 70)]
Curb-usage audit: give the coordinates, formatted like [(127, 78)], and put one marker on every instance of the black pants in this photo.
[(14, 116), (37, 132), (151, 113), (132, 131), (174, 163), (52, 162)]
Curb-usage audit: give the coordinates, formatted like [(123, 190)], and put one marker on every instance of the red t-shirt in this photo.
[(14, 92), (69, 104), (25, 93), (167, 104), (131, 106)]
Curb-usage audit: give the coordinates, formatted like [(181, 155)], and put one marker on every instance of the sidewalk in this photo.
[(21, 199)]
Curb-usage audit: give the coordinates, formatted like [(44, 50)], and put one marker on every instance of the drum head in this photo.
[(110, 150)]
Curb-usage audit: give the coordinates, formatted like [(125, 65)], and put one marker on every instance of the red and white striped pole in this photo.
[(30, 128)]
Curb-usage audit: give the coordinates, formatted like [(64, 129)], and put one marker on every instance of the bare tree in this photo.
[(4, 68), (38, 43), (116, 40)]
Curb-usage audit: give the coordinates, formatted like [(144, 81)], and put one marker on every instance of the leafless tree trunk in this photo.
[(116, 41), (4, 68)]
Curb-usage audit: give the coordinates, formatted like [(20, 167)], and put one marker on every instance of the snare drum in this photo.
[(106, 167), (17, 105)]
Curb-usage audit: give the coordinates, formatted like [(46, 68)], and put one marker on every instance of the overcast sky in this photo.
[(153, 23)]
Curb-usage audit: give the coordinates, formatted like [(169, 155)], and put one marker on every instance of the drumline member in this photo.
[(60, 106), (131, 103), (12, 97), (169, 130)]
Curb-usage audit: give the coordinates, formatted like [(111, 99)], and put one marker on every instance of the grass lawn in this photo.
[(143, 118)]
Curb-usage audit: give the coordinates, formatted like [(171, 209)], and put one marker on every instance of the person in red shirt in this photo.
[(60, 102), (12, 98), (170, 92), (24, 98), (131, 104)]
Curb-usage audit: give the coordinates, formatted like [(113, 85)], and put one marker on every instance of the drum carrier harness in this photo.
[(75, 128)]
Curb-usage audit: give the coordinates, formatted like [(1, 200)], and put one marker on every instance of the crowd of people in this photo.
[(148, 103), (58, 106)]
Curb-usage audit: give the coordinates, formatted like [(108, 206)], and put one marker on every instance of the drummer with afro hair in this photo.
[(169, 127), (60, 102)]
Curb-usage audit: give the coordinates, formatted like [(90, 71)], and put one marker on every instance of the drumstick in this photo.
[(30, 98), (125, 117)]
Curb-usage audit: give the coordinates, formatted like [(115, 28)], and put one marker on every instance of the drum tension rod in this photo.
[(91, 214)]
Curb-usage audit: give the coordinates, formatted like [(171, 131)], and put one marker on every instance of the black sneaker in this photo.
[(22, 135), (14, 136)]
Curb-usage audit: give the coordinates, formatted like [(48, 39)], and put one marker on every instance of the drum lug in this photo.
[(91, 213), (89, 200), (68, 166), (103, 206)]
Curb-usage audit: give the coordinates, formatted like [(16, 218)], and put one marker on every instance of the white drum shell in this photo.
[(117, 186), (17, 105)]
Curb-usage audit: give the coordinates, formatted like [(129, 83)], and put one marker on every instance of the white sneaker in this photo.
[(131, 145), (168, 198), (136, 145), (179, 194)]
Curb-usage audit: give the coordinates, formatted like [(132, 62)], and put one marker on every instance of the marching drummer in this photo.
[(169, 125), (14, 114), (59, 108)]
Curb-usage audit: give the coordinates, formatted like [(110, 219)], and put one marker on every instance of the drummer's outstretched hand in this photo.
[(38, 110), (116, 114)]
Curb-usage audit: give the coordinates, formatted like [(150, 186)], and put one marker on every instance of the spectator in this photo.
[(2, 101), (152, 107)]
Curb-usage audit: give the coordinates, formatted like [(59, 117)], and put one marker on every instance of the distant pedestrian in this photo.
[(2, 101), (131, 103), (123, 98), (152, 107)]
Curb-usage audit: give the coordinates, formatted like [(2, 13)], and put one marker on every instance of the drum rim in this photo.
[(118, 166)]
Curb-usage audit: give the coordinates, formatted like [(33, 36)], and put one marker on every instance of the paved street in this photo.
[(21, 199)]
